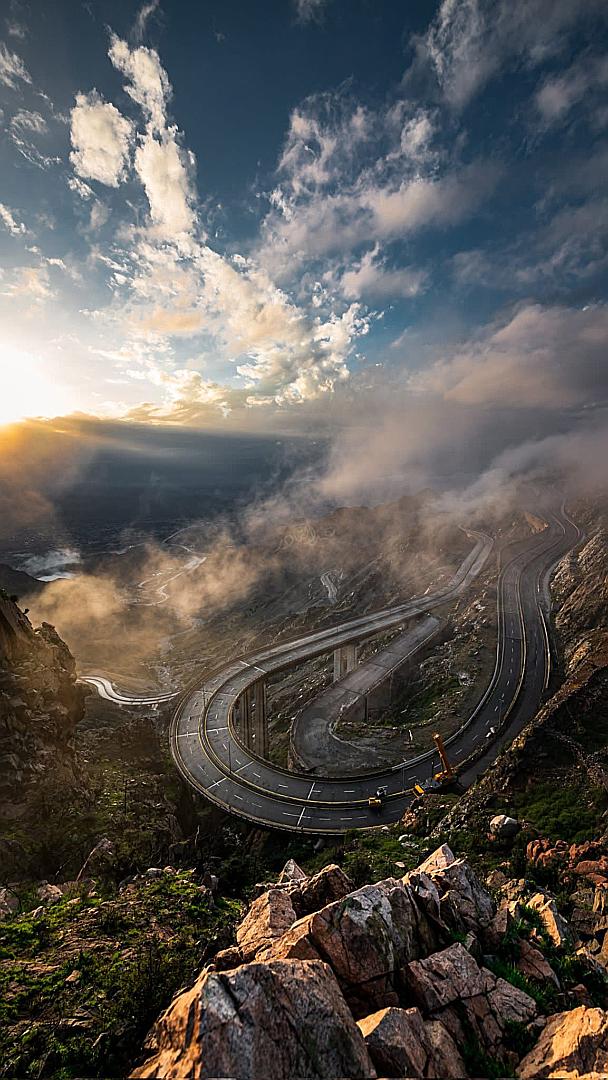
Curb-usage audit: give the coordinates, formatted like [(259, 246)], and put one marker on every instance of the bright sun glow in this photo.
[(25, 390)]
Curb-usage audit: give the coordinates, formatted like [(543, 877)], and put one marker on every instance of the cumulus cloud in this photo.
[(470, 41), (353, 177), (148, 84), (12, 68), (163, 170), (101, 140)]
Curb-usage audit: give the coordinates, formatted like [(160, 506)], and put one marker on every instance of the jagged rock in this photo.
[(573, 1044), (311, 894), (464, 903), (267, 919), (503, 827), (291, 873), (400, 1043), (277, 1020), (367, 937), (500, 924), (555, 925), (451, 987), (533, 965), (441, 858)]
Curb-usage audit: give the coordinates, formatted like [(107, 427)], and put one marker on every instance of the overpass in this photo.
[(231, 771)]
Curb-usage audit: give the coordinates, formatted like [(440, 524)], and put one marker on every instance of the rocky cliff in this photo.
[(427, 975), (40, 705)]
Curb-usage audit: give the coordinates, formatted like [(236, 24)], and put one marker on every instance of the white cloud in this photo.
[(80, 188), (30, 122), (469, 41), (101, 138), (149, 84), (12, 68), (163, 170), (371, 279), (10, 222)]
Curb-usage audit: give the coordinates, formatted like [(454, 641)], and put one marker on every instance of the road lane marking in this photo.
[(312, 788), (218, 782), (302, 814)]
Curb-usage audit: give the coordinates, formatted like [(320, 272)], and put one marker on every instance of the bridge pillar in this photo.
[(260, 721), (345, 659), (252, 717)]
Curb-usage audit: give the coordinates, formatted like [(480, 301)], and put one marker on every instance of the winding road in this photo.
[(211, 757)]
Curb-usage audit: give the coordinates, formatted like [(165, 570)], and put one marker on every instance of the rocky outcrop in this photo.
[(267, 919), (573, 1044), (384, 956), (453, 894), (468, 999), (281, 1019), (40, 705), (367, 937), (401, 1043)]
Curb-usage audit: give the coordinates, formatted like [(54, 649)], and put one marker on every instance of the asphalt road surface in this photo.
[(209, 754)]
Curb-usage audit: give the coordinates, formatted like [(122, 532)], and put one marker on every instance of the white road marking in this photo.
[(301, 815), (187, 734), (218, 782), (312, 788)]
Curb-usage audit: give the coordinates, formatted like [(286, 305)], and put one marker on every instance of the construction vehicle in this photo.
[(376, 802), (442, 779)]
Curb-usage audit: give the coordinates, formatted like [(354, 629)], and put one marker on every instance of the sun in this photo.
[(25, 389)]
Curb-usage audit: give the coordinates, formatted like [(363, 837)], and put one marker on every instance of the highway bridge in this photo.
[(229, 768)]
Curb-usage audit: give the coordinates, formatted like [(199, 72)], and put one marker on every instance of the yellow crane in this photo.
[(441, 779)]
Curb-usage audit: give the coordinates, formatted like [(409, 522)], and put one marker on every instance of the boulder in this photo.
[(401, 1043), (291, 873), (464, 903), (268, 917), (441, 858), (367, 937), (503, 827), (533, 965), (311, 894), (468, 1000), (554, 924), (278, 1020), (573, 1044)]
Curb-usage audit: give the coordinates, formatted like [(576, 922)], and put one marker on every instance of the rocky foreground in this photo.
[(429, 975)]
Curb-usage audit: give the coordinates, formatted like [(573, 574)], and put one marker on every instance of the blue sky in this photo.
[(297, 215)]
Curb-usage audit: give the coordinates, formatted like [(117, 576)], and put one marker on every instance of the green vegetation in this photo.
[(82, 981), (563, 811)]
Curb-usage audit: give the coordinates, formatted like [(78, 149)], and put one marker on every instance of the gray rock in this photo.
[(278, 1021)]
